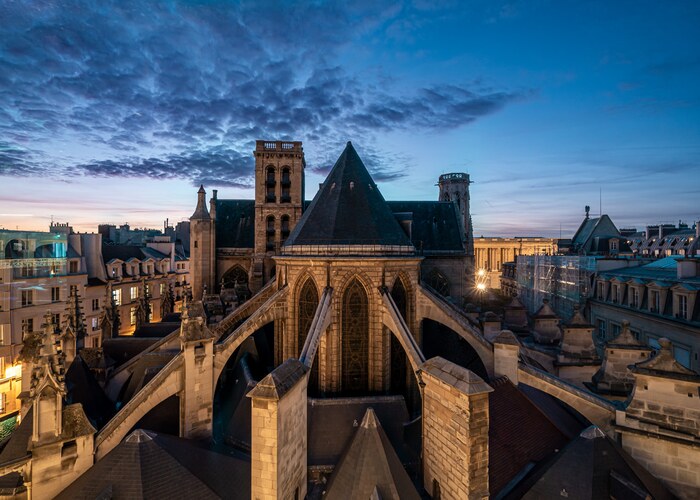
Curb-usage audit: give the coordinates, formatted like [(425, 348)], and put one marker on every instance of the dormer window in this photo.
[(634, 297), (601, 290), (682, 306), (655, 301)]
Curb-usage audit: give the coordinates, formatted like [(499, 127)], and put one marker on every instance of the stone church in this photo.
[(326, 355), (234, 242)]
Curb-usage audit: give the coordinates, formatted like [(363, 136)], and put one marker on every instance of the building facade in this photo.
[(490, 254)]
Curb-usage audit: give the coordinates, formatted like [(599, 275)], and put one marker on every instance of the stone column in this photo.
[(197, 396), (278, 434), (455, 431)]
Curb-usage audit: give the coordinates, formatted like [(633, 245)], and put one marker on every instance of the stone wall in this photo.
[(455, 431)]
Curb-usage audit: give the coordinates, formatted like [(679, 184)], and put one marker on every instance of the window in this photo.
[(601, 290), (56, 319), (615, 294), (162, 288), (134, 293), (634, 297), (683, 306), (73, 267), (615, 330), (26, 271), (655, 301), (95, 304), (27, 298), (285, 196), (270, 245), (284, 227), (27, 326), (55, 294), (73, 290), (117, 296), (132, 316), (308, 302), (5, 338), (602, 329), (613, 245), (270, 185), (355, 338), (95, 324)]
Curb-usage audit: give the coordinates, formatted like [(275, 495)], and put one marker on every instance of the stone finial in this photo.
[(50, 361), (577, 319), (664, 364), (626, 338), (194, 323)]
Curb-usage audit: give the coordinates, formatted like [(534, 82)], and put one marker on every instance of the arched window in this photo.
[(270, 246), (286, 184), (400, 296), (308, 302), (355, 338), (270, 185), (284, 228), (439, 283)]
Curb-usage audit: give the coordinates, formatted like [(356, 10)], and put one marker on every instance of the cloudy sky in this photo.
[(116, 110)]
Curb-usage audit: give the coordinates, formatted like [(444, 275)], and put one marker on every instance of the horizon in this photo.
[(116, 111)]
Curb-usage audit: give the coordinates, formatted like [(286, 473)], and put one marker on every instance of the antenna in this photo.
[(601, 201)]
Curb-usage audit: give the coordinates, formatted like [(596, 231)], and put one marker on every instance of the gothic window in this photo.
[(236, 276), (355, 338), (284, 228), (308, 302), (270, 233), (270, 185), (438, 282), (398, 293)]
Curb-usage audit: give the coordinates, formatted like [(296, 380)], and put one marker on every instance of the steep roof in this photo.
[(370, 465), (235, 223), (519, 434), (592, 466), (435, 225), (150, 465), (348, 210)]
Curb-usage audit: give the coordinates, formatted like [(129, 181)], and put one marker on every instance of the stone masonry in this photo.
[(455, 431)]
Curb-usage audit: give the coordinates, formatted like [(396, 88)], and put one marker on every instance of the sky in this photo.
[(115, 111)]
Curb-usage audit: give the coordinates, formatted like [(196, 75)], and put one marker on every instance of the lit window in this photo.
[(134, 293), (95, 324), (117, 296), (132, 316), (27, 326)]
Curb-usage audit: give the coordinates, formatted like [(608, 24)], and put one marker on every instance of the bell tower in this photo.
[(279, 201), (455, 187)]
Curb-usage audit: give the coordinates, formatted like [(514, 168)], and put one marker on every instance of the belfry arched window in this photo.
[(355, 338), (270, 233), (398, 355), (285, 196), (308, 302), (270, 185), (284, 228)]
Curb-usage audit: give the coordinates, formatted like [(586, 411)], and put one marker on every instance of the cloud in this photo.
[(181, 89)]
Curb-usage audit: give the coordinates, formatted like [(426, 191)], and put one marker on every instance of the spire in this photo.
[(75, 321), (50, 365), (664, 364), (201, 213)]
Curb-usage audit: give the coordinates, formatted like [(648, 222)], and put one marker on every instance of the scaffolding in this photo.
[(564, 280)]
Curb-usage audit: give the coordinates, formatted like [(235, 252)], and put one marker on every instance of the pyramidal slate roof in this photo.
[(348, 210), (370, 465), (150, 465)]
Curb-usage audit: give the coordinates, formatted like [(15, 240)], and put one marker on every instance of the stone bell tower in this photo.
[(455, 187), (279, 201), (202, 263)]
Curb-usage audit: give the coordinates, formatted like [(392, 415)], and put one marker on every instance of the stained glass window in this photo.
[(355, 338)]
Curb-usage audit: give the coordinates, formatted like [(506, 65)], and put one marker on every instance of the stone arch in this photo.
[(355, 337), (270, 233), (438, 282), (441, 340)]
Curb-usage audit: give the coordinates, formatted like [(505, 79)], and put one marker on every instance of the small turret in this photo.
[(201, 212)]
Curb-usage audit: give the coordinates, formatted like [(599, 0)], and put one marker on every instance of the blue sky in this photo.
[(114, 111)]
